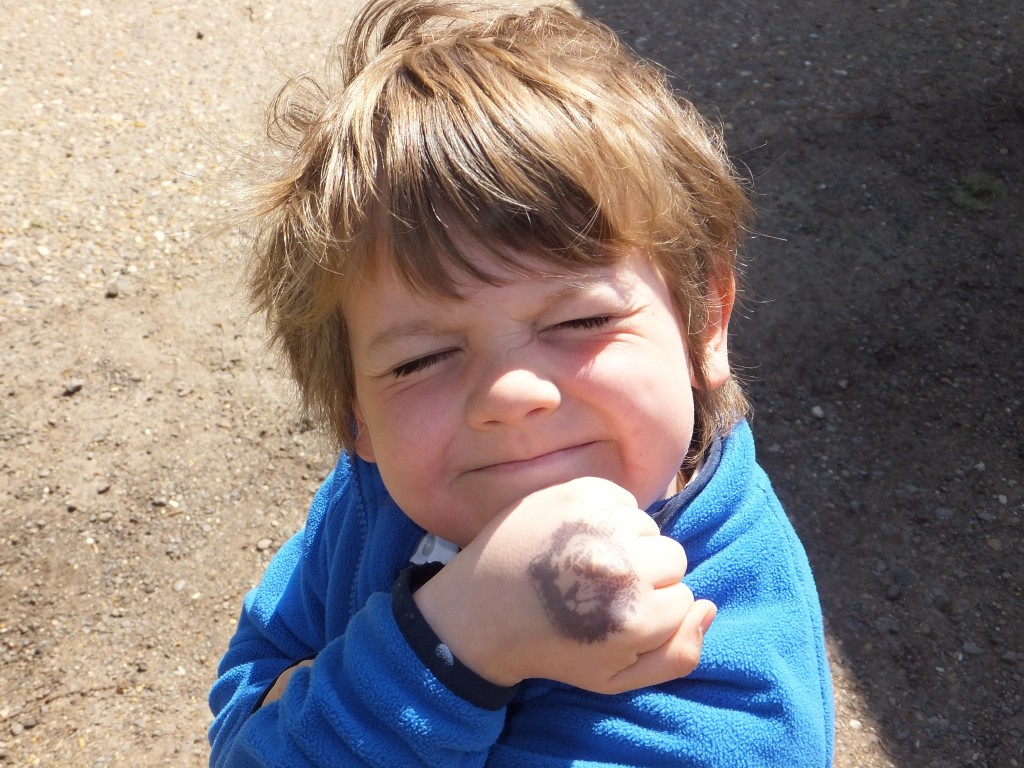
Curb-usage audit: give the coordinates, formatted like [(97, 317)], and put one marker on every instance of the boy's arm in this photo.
[(269, 638), (761, 696), (366, 700)]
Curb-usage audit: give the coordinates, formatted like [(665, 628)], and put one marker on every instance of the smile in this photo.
[(539, 461)]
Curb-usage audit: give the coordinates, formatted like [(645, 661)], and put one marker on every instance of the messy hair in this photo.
[(438, 129)]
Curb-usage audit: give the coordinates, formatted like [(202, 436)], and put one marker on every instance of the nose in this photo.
[(510, 395)]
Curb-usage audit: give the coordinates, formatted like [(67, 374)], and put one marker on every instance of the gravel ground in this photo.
[(150, 462)]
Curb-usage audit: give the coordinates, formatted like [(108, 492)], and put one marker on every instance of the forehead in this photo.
[(463, 264), (521, 278), (383, 309)]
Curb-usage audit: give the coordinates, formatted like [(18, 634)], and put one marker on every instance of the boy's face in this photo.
[(469, 405)]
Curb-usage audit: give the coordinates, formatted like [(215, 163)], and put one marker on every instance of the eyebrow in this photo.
[(395, 333), (580, 286)]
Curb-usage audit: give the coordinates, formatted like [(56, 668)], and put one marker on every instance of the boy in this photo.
[(500, 261)]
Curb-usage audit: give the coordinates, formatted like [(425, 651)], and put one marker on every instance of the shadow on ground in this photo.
[(880, 337)]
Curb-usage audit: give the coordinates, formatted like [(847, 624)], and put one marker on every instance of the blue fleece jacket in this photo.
[(761, 695)]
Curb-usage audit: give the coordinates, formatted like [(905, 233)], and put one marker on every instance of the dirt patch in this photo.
[(151, 464)]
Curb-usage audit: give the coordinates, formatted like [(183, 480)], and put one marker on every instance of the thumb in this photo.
[(676, 657)]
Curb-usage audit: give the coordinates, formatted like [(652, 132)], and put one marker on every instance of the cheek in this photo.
[(652, 380), (651, 408), (424, 414), (409, 432)]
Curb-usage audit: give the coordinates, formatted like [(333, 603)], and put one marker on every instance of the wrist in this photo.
[(416, 612)]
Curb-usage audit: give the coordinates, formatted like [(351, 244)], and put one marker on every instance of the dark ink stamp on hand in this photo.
[(585, 583)]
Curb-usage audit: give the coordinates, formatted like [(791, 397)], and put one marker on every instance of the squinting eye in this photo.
[(587, 323), (421, 363)]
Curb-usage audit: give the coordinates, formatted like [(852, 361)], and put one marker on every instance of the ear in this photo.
[(721, 297), (363, 441)]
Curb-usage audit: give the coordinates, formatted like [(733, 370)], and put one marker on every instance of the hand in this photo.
[(573, 583), (277, 689)]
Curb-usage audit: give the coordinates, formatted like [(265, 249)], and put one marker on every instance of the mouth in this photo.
[(540, 460)]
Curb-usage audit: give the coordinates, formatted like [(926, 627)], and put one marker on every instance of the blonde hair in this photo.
[(535, 135)]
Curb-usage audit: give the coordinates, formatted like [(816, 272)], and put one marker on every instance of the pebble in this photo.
[(73, 387), (179, 585), (105, 517), (891, 626), (113, 290), (905, 577), (973, 648), (940, 599), (856, 724), (264, 544), (818, 412)]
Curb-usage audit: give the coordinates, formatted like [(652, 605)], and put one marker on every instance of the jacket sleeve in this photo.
[(724, 715), (737, 710), (761, 696), (367, 700)]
